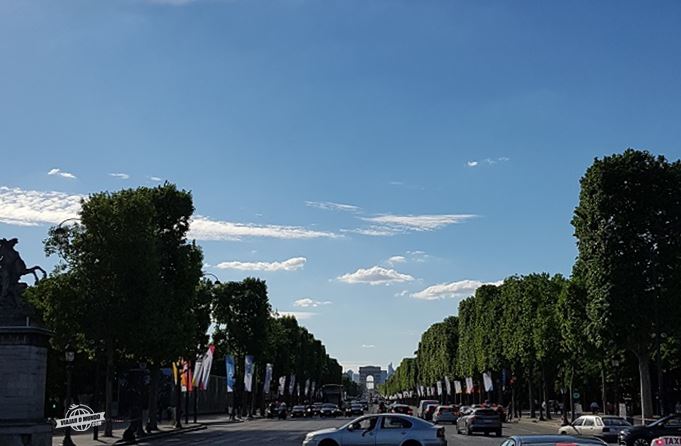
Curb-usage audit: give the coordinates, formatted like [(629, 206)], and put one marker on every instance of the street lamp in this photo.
[(69, 356), (217, 281)]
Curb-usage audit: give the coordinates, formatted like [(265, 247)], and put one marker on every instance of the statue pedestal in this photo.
[(23, 370)]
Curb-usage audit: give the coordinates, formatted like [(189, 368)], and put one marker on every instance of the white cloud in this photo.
[(397, 259), (30, 208), (307, 302), (402, 293), (368, 346), (203, 228), (375, 275), (462, 288), (157, 179), (488, 161), (418, 222), (472, 163), (299, 315), (373, 231), (122, 176), (291, 264), (331, 206), (61, 173)]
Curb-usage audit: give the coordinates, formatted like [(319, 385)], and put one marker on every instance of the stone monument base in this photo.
[(23, 369)]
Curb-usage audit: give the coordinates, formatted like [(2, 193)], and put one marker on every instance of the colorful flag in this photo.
[(175, 373), (457, 387), (487, 379), (202, 369), (268, 378), (231, 373), (248, 373), (186, 378)]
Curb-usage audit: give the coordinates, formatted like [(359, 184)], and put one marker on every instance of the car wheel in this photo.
[(486, 433), (328, 443), (469, 431), (498, 433)]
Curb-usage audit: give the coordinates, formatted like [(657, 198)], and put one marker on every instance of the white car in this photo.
[(606, 427), (388, 429)]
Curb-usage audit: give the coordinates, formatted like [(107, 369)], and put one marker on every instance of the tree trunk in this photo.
[(603, 396), (153, 397), (529, 386), (646, 386), (545, 392), (108, 424)]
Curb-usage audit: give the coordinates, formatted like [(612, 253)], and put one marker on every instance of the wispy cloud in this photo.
[(291, 264), (299, 315), (403, 223), (310, 303), (203, 228), (397, 259), (488, 161), (410, 256), (157, 179), (31, 208), (368, 346), (122, 176), (462, 288), (61, 173), (376, 275), (331, 206)]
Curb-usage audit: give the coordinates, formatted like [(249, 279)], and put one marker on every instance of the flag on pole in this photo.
[(439, 388), (457, 386), (282, 385), (248, 373), (231, 373), (307, 387), (448, 385), (186, 377), (292, 384), (268, 378), (297, 388), (202, 369), (487, 379), (469, 385), (175, 373)]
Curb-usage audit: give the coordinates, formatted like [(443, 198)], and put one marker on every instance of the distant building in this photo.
[(350, 374), (391, 370)]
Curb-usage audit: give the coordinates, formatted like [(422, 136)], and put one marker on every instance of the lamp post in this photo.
[(616, 365), (69, 356)]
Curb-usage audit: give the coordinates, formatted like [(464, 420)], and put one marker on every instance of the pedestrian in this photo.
[(594, 408)]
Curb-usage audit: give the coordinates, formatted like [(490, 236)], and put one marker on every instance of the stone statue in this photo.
[(12, 267)]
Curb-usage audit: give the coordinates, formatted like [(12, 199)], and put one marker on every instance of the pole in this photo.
[(186, 398), (196, 403), (67, 432), (660, 377), (178, 400)]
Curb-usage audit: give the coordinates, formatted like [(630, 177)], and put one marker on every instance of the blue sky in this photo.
[(454, 132)]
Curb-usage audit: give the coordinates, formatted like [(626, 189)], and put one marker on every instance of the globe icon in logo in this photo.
[(79, 411)]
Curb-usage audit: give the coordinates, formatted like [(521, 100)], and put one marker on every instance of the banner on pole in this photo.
[(268, 378), (231, 373), (292, 384), (487, 379), (282, 385), (307, 387), (202, 369), (448, 385), (439, 388), (457, 387), (469, 385), (248, 373)]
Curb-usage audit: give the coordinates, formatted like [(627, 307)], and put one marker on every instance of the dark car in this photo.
[(330, 410), (479, 420), (402, 408), (551, 440), (298, 411), (643, 435)]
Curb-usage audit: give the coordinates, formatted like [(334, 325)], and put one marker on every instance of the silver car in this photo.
[(392, 429), (445, 414)]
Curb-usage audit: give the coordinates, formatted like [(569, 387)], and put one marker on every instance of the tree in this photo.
[(627, 224), (131, 274)]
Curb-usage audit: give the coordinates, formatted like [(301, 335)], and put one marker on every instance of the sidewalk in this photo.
[(166, 429)]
